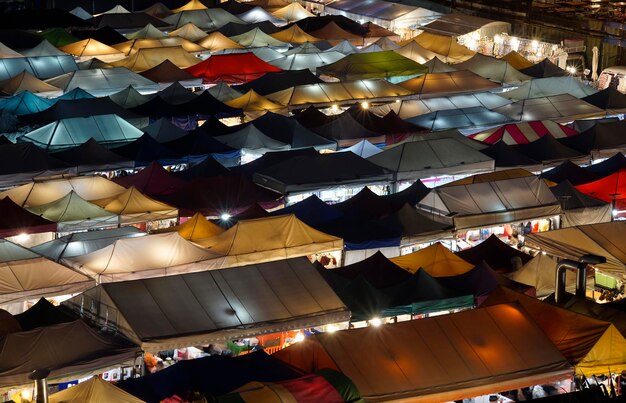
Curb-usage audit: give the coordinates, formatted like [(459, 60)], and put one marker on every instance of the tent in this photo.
[(15, 220), (420, 373), (134, 207), (25, 162), (445, 46), (560, 108), (130, 47), (383, 43), (544, 69), (234, 29), (347, 48), (573, 242), (256, 38), (82, 243), (310, 61), (21, 268), (609, 189), (231, 68), (334, 34), (24, 103), (489, 203), (88, 48), (294, 35), (306, 48), (326, 94), (416, 52), (363, 149), (167, 71), (44, 48), (455, 25), (285, 237), (602, 140), (255, 105), (153, 181), (126, 21), (548, 150), (547, 87), (76, 93), (209, 19), (609, 99), (102, 82), (196, 107), (145, 256), (67, 133), (268, 297), (73, 213), (36, 193), (163, 131), (431, 157), (127, 98), (58, 37), (93, 63), (95, 389), (194, 229), (80, 108), (148, 58), (25, 81), (435, 65), (540, 272), (607, 312), (8, 53), (189, 31), (41, 314), (474, 117), (497, 70), (592, 346), (497, 254), (292, 12), (506, 156), (224, 92), (436, 260), (118, 9), (442, 84), (516, 60), (191, 5), (306, 173), (609, 166), (571, 172), (158, 10), (312, 211), (69, 350), (251, 139), (291, 132), (276, 81), (104, 34), (386, 64), (216, 41), (149, 31), (42, 67), (523, 133), (81, 13), (258, 14), (265, 53)]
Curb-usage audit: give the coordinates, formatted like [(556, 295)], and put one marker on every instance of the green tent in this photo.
[(386, 64), (58, 37)]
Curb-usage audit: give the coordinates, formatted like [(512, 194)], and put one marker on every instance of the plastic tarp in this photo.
[(143, 257), (89, 48), (102, 82), (231, 68), (493, 203), (133, 207), (20, 271), (432, 157), (560, 108), (209, 19), (70, 350), (82, 243), (436, 260), (599, 239), (493, 69), (421, 373), (435, 65), (95, 389), (442, 84), (189, 31), (523, 133), (216, 305), (15, 220), (445, 46), (216, 41)]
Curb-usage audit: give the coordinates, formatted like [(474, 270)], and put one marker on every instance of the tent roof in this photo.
[(234, 29), (571, 172), (311, 61), (258, 14), (224, 92), (292, 12), (497, 254), (598, 239), (90, 47), (436, 260), (24, 103), (347, 48), (105, 34), (540, 272), (81, 13), (456, 24), (445, 46), (290, 131), (129, 97), (506, 156), (256, 38), (44, 48), (59, 37), (79, 108), (190, 32), (294, 34), (335, 34), (24, 162), (170, 69), (195, 228), (435, 65), (363, 149), (523, 133), (547, 149), (161, 255), (153, 180), (126, 20), (546, 87), (493, 69), (610, 189), (516, 60), (15, 220), (21, 270), (95, 389), (25, 81), (191, 5), (251, 138), (41, 314), (76, 213), (8, 53), (609, 166), (149, 31), (216, 41), (252, 101), (602, 139), (209, 19), (474, 117), (532, 358), (132, 206), (545, 68), (82, 243), (416, 52), (609, 98), (563, 108), (263, 298), (103, 81), (132, 46), (163, 131), (230, 68), (312, 211), (382, 64), (158, 10), (441, 84)]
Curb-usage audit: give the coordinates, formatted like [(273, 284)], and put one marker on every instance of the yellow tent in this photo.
[(93, 390), (35, 194), (269, 239), (540, 272), (89, 48), (133, 207), (416, 52), (436, 260), (445, 46), (192, 5), (189, 31), (292, 12), (147, 58), (129, 47), (255, 105), (25, 81), (516, 60), (593, 346), (216, 41), (294, 34), (194, 229)]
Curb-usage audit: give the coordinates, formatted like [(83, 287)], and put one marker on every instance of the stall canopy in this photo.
[(147, 32), (560, 108), (447, 47), (149, 58), (493, 69), (309, 172), (158, 10), (580, 209), (310, 61), (343, 128), (130, 47), (424, 371), (498, 255), (523, 133), (363, 149), (24, 162), (231, 68), (191, 5), (89, 48), (571, 172), (435, 65), (432, 157), (609, 99), (255, 105), (516, 60), (291, 132), (24, 103), (258, 14), (386, 64), (134, 207), (216, 41), (292, 12), (15, 220), (416, 52), (473, 117), (286, 237), (25, 81), (334, 34), (454, 25), (69, 350), (602, 140), (102, 82), (210, 19), (442, 84), (82, 243), (573, 242), (547, 87), (194, 229), (189, 31), (216, 305), (491, 203), (161, 255), (505, 157), (436, 260), (294, 35), (611, 189), (95, 389), (540, 272), (545, 69), (153, 180), (256, 38), (548, 150), (85, 107), (92, 157), (20, 271), (251, 139)]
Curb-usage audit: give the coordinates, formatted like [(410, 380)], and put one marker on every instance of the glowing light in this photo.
[(225, 217), (331, 328), (365, 105), (543, 253), (299, 337), (376, 322), (535, 44), (571, 69), (26, 395), (615, 212), (335, 108), (498, 39), (22, 238), (514, 43), (397, 101)]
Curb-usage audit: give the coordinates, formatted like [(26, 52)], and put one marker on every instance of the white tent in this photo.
[(550, 86), (309, 61), (103, 82)]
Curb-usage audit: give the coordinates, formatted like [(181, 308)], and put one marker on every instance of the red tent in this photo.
[(611, 188), (15, 220), (523, 133), (234, 68)]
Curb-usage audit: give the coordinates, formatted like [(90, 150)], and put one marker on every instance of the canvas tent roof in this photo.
[(255, 105), (121, 21), (441, 84), (6, 52), (168, 72), (548, 150), (292, 12), (495, 253), (506, 156), (216, 41), (25, 81), (435, 65), (258, 14), (59, 37), (294, 35), (493, 69), (540, 272), (195, 228), (44, 48), (456, 24), (21, 268), (292, 295), (310, 61), (334, 34), (102, 82), (256, 38), (95, 389), (189, 31), (209, 19), (523, 133), (347, 48), (191, 5), (81, 13), (609, 99), (83, 107), (88, 48), (488, 203), (276, 81), (598, 239), (82, 243), (230, 68), (601, 140), (15, 220), (132, 207), (572, 172), (544, 69), (516, 60), (158, 10), (560, 108), (42, 67), (145, 256), (286, 237), (532, 358), (149, 58), (70, 350), (233, 28), (472, 117), (384, 64), (67, 133), (291, 132), (92, 157), (546, 87), (252, 139), (445, 46), (363, 149), (436, 260), (149, 31), (130, 47), (24, 162), (24, 103)]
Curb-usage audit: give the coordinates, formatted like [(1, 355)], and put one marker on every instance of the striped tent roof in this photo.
[(524, 132)]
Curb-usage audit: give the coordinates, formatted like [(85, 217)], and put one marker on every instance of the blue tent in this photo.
[(24, 103), (76, 93)]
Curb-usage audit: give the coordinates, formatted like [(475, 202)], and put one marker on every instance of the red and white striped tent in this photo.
[(524, 132)]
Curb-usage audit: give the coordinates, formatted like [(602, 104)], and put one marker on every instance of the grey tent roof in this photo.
[(215, 305), (163, 131), (545, 87), (572, 199), (493, 69), (44, 48), (129, 97), (251, 138), (435, 65), (460, 118), (560, 108), (209, 19), (290, 131), (102, 82)]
